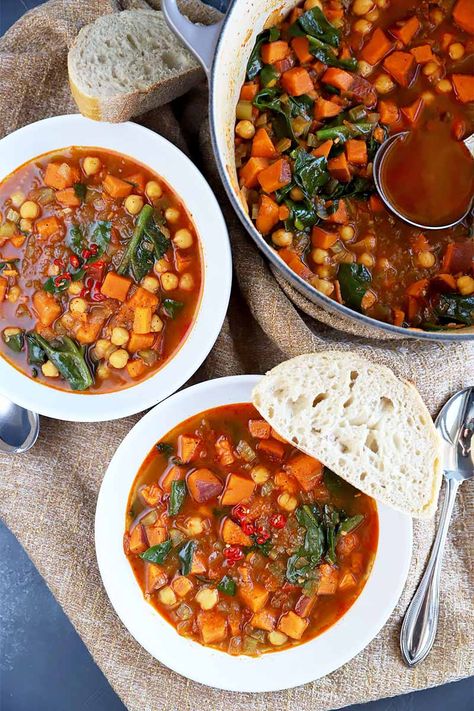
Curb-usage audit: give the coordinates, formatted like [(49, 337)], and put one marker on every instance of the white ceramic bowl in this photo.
[(270, 672), (178, 171)]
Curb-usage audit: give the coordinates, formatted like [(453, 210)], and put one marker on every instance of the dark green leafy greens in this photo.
[(7, 263), (80, 190), (354, 280), (345, 131), (227, 586), (147, 244), (326, 54), (171, 307), (310, 172), (255, 63), (69, 359), (165, 448), (177, 496), (314, 23), (455, 308), (157, 554), (185, 555), (15, 341), (36, 355)]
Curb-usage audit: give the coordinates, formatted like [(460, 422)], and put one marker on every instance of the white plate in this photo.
[(270, 672), (178, 171)]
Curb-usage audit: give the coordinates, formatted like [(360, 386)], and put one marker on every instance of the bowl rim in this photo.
[(270, 672), (162, 157), (302, 286)]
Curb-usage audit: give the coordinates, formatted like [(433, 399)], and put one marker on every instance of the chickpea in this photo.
[(323, 285), (287, 501), (363, 27), (320, 256), (436, 16), (296, 194), (26, 225), (172, 215), (49, 370), (102, 348), (362, 7), (207, 598), (153, 190), (156, 324), (194, 526), (309, 4), (260, 474), (382, 3), (346, 232), (75, 288), (282, 238), (169, 281), (277, 638), (91, 165), (366, 259), (428, 97), (150, 283), (68, 321), (183, 238), (10, 332), (444, 86), (120, 336), (186, 282), (13, 294), (119, 359), (430, 68), (323, 271), (456, 50), (373, 15), (102, 371), (133, 204), (78, 306), (245, 129), (30, 210), (167, 596), (162, 265), (426, 259), (384, 84), (17, 198), (465, 285)]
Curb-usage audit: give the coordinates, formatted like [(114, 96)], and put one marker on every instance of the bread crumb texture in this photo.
[(362, 422)]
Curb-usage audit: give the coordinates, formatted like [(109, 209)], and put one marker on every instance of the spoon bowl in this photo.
[(19, 428)]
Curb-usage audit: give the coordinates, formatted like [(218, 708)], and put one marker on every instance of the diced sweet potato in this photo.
[(284, 480), (272, 52), (188, 446), (182, 585), (268, 214), (323, 238), (116, 286), (418, 288), (339, 216), (378, 46), (304, 605), (297, 81), (338, 78), (142, 320), (339, 168), (249, 91), (198, 564), (237, 488), (171, 474), (212, 626), (413, 111), (116, 187), (88, 332), (249, 173), (423, 54), (275, 176), (140, 342), (138, 181), (271, 448), (155, 577), (324, 149), (68, 197), (46, 307), (263, 620), (389, 113), (300, 46), (405, 31), (328, 579), (346, 544), (306, 470), (292, 625), (48, 226), (3, 288), (463, 86), (151, 494), (294, 261), (401, 65), (156, 534), (138, 540), (142, 297), (60, 176), (136, 368), (254, 596), (464, 16), (356, 151), (203, 485), (224, 451), (259, 429), (233, 535), (347, 581), (262, 145), (324, 109)]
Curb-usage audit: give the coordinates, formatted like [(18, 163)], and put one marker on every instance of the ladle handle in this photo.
[(421, 619)]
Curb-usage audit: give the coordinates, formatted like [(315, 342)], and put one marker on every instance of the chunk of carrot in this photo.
[(259, 429), (142, 319), (405, 31), (3, 288), (262, 145), (275, 176), (46, 307), (339, 168), (413, 111), (140, 342), (340, 215), (249, 91), (378, 46), (356, 151), (297, 81), (295, 263), (322, 238), (136, 368), (232, 534), (212, 626), (307, 471), (338, 78), (116, 187), (68, 197), (292, 625), (423, 53), (237, 488), (60, 175), (143, 297), (401, 65), (271, 448), (418, 288), (464, 16), (115, 286), (463, 87), (389, 113), (48, 226), (249, 172), (300, 46), (267, 216), (138, 181), (324, 149), (324, 109), (398, 316), (272, 52), (203, 485), (254, 595)]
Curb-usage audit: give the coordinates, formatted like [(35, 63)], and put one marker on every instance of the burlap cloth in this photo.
[(48, 496)]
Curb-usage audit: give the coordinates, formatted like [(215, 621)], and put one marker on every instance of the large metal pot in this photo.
[(223, 50)]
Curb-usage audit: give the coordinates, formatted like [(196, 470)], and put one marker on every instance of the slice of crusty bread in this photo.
[(127, 63), (360, 421)]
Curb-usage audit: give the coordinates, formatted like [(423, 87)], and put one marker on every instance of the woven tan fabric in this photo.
[(48, 496)]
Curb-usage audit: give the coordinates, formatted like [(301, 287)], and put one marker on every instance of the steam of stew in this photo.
[(100, 270), (324, 87), (242, 542)]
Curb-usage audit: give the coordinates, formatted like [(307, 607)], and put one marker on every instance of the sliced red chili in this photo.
[(278, 520)]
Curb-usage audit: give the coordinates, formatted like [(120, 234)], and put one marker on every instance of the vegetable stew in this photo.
[(324, 87), (100, 270), (242, 542)]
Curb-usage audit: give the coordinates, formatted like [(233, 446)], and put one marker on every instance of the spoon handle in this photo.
[(421, 619)]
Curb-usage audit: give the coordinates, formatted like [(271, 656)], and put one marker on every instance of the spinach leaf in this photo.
[(331, 520), (6, 263), (326, 54), (263, 548), (227, 586), (360, 188), (165, 448), (354, 280), (455, 308), (301, 106), (345, 131), (314, 540), (332, 481), (36, 355), (146, 244), (255, 62), (310, 172), (185, 556), (268, 75), (75, 239), (160, 242), (15, 342), (302, 214), (80, 190), (142, 260), (143, 219), (171, 307), (314, 23), (177, 496), (100, 236), (69, 359), (349, 524), (269, 99), (157, 554)]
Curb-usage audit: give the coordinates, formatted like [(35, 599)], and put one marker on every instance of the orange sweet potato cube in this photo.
[(60, 176), (116, 187), (182, 585), (188, 446), (212, 626), (3, 288), (259, 429), (271, 448), (254, 596), (116, 286), (263, 620), (237, 488), (155, 577), (138, 540), (46, 307), (292, 625), (143, 297), (140, 342), (306, 470), (48, 226), (328, 580), (203, 485), (232, 533), (151, 494), (142, 319), (171, 474), (156, 534)]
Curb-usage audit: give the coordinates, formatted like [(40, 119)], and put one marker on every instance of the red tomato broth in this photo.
[(362, 255), (39, 260), (263, 594)]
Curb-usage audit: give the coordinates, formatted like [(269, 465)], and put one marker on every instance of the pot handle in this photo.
[(200, 39)]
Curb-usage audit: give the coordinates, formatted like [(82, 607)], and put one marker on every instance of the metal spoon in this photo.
[(377, 173), (455, 424), (19, 428)]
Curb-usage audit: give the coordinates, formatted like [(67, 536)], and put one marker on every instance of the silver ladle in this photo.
[(455, 423), (377, 173), (19, 428)]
